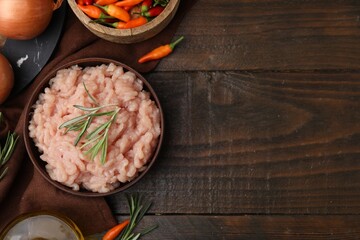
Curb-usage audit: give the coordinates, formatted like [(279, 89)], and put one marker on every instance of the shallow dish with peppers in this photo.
[(125, 21), (94, 127)]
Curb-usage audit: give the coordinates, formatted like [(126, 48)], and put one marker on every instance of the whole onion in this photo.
[(25, 19), (6, 78)]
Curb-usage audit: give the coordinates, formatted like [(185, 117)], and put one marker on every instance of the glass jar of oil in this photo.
[(42, 225)]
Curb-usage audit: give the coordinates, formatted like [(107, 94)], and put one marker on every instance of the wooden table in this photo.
[(262, 107)]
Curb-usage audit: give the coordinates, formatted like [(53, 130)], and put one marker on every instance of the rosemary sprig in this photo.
[(7, 150), (80, 123), (101, 134), (90, 96), (97, 140), (138, 207)]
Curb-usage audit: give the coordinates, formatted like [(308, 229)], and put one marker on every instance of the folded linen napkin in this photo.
[(23, 189)]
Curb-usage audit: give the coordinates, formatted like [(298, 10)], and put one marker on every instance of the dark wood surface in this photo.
[(262, 138)]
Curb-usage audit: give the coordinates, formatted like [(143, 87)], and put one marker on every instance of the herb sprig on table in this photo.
[(97, 139), (6, 150), (138, 207)]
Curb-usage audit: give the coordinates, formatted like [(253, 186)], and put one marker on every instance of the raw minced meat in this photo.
[(132, 137)]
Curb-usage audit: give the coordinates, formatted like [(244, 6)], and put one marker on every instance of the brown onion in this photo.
[(25, 19), (6, 78)]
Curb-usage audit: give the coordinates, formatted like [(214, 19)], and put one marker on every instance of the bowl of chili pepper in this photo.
[(125, 21)]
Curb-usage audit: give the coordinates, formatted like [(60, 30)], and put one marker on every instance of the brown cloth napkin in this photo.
[(23, 189)]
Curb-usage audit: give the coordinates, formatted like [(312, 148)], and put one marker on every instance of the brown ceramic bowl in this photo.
[(35, 154), (132, 35)]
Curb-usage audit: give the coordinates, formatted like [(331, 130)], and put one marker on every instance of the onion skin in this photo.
[(24, 19), (6, 78)]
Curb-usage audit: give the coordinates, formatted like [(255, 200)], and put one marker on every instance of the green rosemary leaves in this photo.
[(6, 150), (97, 139), (138, 207)]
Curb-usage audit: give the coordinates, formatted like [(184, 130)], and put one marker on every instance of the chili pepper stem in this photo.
[(102, 7), (173, 44)]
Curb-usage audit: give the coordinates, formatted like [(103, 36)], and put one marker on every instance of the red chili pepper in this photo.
[(136, 22), (92, 11), (153, 12), (126, 3), (146, 5), (88, 2), (160, 52), (116, 12), (105, 2), (115, 231), (81, 2)]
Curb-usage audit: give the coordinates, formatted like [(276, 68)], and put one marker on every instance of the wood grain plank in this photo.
[(253, 143), (252, 227), (268, 35)]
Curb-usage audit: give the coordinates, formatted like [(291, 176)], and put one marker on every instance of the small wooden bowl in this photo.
[(34, 153), (132, 35)]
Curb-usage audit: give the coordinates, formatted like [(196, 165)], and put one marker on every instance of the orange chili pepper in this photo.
[(116, 12), (126, 3), (136, 22), (115, 231), (160, 52), (127, 8), (81, 2), (105, 2), (92, 11)]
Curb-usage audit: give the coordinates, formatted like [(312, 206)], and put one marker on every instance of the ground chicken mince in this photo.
[(132, 138)]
